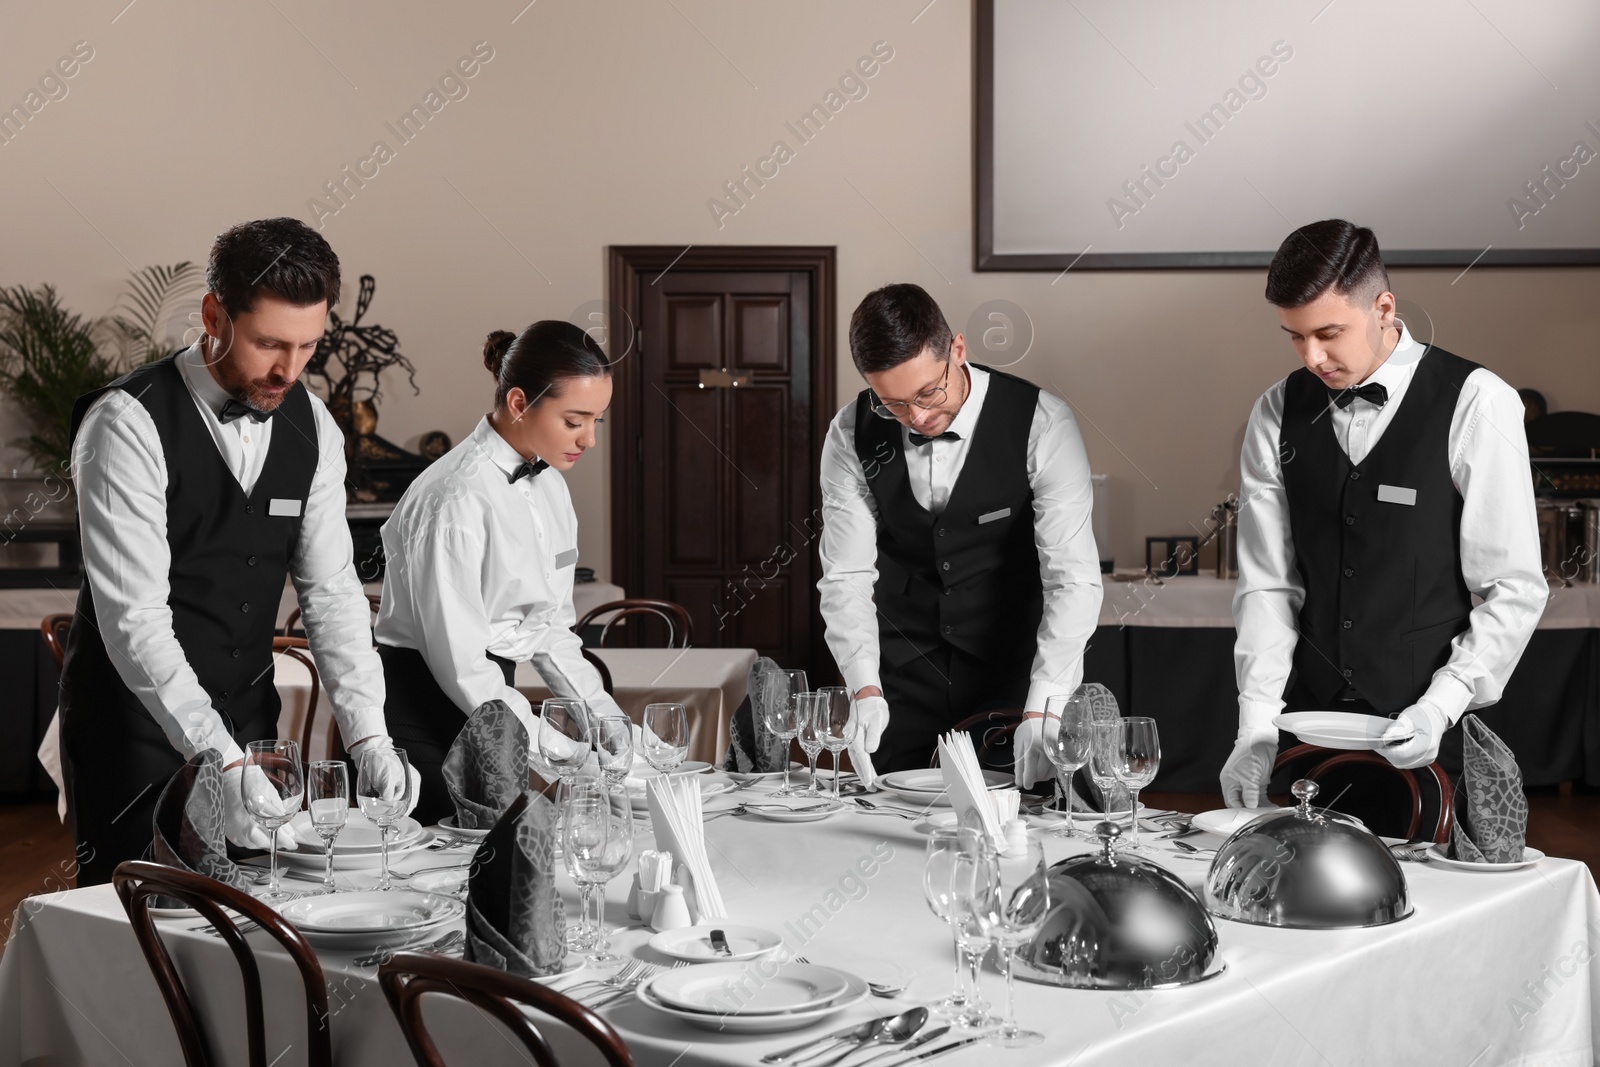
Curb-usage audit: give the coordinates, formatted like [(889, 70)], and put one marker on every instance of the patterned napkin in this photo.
[(515, 918), (1491, 809), (752, 748), (487, 765), (188, 830)]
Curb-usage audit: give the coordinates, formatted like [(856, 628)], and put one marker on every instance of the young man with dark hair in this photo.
[(959, 565), (1385, 485), (203, 480)]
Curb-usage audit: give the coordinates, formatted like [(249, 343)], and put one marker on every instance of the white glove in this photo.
[(238, 824), (1429, 723), (386, 769), (1249, 767), (872, 715), (1030, 762)]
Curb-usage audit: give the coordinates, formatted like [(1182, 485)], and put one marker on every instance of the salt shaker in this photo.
[(672, 910)]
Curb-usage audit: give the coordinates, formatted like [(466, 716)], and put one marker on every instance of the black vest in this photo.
[(229, 554), (1384, 593), (970, 576)]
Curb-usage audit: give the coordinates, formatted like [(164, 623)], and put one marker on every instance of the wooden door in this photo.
[(723, 405)]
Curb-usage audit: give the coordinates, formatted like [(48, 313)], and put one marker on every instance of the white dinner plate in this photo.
[(927, 787), (356, 920), (306, 860), (1436, 854), (1346, 730), (795, 809), (1225, 821), (360, 834), (738, 1023), (745, 777), (451, 882), (732, 988), (643, 770), (694, 942), (1079, 815), (711, 785), (448, 825)]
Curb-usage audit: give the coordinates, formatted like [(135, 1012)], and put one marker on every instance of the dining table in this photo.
[(1490, 969)]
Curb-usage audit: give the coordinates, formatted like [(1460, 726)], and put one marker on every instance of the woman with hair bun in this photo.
[(480, 554)]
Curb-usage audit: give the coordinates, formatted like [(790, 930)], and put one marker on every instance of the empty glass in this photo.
[(946, 844), (383, 799), (842, 726), (1103, 767), (564, 736), (328, 801), (273, 786), (811, 721), (613, 743), (1135, 762), (666, 736), (780, 714), (1067, 741), (1009, 897), (598, 845)]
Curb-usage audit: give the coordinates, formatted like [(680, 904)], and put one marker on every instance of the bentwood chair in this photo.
[(605, 672), (680, 630), (55, 629), (406, 976), (990, 730), (137, 882), (297, 649), (1391, 802)]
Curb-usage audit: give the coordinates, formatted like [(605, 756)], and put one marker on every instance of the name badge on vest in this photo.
[(1397, 494), (279, 506), (993, 515), (567, 558)]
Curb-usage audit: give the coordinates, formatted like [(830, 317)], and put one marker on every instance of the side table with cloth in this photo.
[(1491, 970), (1176, 641)]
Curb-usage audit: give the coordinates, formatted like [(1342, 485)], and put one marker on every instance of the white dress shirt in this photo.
[(121, 475), (1069, 563), (476, 564), (1500, 560)]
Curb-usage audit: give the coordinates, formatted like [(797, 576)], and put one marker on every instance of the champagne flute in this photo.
[(1067, 741), (666, 736), (374, 779), (945, 845), (1135, 762), (1009, 897), (603, 865), (780, 713), (842, 725), (586, 823), (613, 742), (811, 722), (273, 785), (328, 800)]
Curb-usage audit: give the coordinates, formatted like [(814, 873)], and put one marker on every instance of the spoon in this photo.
[(932, 1035), (892, 1032)]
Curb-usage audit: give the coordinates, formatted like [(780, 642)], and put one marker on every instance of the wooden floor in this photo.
[(36, 850)]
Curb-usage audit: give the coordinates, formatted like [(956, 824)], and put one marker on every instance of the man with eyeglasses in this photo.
[(960, 572)]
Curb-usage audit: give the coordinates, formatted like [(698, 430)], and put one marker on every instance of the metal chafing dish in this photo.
[(1120, 922), (1306, 868)]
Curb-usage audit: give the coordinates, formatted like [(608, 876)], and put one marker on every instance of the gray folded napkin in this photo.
[(1491, 809), (515, 918), (752, 747), (1086, 795), (487, 765), (188, 830)]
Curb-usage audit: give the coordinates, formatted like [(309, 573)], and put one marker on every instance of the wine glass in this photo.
[(1067, 742), (586, 823), (666, 736), (1009, 897), (613, 742), (564, 736), (945, 845), (1107, 740), (1135, 761), (811, 720), (603, 865), (328, 800), (779, 713), (273, 785), (842, 725), (373, 776)]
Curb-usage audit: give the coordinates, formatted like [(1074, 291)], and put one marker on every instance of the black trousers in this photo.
[(424, 721), (933, 692)]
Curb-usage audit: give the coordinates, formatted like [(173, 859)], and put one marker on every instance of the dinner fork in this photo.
[(651, 970), (622, 975)]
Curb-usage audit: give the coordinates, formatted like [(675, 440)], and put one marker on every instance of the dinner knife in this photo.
[(940, 1051), (859, 1031), (916, 1042), (719, 943)]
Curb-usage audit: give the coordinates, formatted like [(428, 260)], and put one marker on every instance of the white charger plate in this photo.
[(645, 771), (360, 834), (1530, 856), (927, 787), (756, 1024), (448, 825), (711, 785), (1346, 730), (304, 860), (357, 920), (792, 809), (693, 943), (795, 987)]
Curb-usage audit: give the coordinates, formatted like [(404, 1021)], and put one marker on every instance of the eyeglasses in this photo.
[(924, 401)]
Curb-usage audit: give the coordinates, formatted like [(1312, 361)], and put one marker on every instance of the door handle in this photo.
[(723, 379)]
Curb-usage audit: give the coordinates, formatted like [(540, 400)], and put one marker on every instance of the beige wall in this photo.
[(614, 123)]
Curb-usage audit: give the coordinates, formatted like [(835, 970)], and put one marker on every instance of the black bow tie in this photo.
[(528, 469), (237, 409), (921, 439), (1372, 393)]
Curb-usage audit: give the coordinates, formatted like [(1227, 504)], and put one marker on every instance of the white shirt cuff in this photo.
[(1449, 695), (1039, 694), (1255, 717), (861, 673)]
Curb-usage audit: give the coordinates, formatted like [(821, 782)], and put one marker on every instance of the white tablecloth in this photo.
[(711, 682), (1492, 969), (1206, 601)]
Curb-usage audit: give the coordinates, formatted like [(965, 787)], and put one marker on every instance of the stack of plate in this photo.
[(926, 787), (360, 922), (358, 846), (710, 785), (738, 998)]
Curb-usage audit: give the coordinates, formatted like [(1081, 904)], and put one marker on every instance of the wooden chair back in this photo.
[(680, 630), (1391, 801), (55, 629)]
